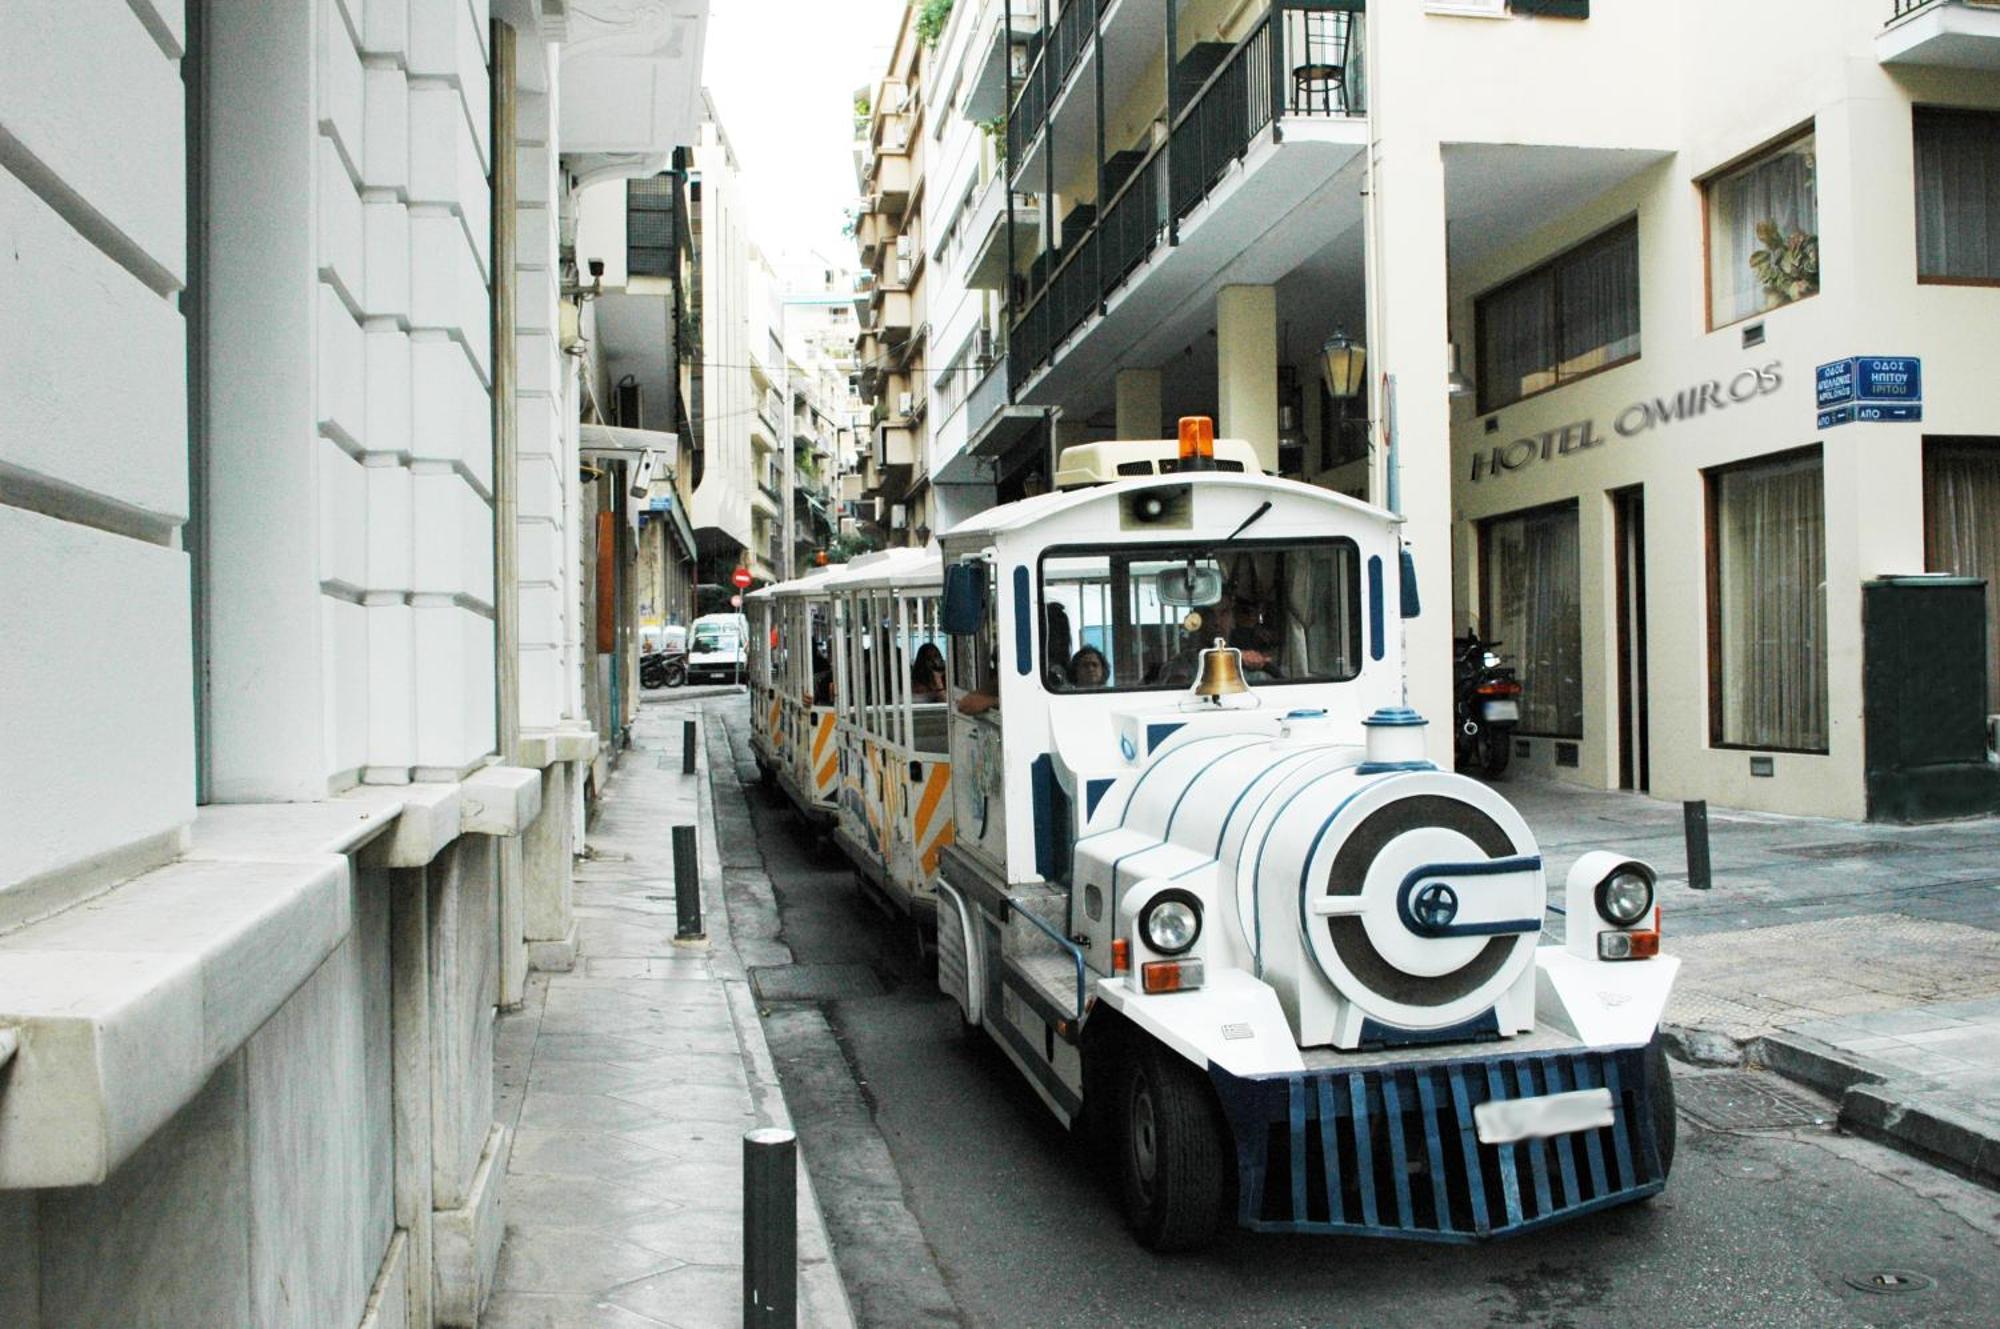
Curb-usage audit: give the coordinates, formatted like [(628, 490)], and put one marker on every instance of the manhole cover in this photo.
[(1746, 1101), (1847, 849), (814, 982), (1889, 1281)]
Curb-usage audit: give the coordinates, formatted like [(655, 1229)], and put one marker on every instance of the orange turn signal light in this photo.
[(1645, 945), (1171, 975), (1197, 437), (1121, 955)]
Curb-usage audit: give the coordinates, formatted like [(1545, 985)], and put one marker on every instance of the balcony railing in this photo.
[(1905, 8), (1294, 62)]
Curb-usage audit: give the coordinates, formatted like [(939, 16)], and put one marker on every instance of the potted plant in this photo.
[(1786, 263)]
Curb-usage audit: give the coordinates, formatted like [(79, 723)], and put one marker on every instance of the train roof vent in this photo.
[(1100, 463)]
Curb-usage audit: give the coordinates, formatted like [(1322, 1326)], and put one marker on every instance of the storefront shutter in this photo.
[(1552, 8)]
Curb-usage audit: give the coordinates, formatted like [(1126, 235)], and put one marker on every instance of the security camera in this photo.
[(596, 268), (642, 474)]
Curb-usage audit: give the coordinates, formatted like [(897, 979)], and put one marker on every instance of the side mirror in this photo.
[(964, 609)]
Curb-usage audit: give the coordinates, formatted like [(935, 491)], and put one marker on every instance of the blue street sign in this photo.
[(1870, 414), (1839, 415), (1834, 385), (1889, 378)]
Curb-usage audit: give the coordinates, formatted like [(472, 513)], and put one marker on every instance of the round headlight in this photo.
[(1171, 922), (1624, 897)]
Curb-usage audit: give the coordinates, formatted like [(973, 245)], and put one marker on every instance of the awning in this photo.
[(1004, 431)]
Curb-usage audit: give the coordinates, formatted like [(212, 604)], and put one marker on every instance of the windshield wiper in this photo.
[(1262, 508)]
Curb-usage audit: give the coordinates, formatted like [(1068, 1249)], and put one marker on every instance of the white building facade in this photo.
[(290, 495)]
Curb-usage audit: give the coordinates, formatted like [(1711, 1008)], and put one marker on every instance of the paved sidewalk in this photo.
[(630, 1083), (1861, 959)]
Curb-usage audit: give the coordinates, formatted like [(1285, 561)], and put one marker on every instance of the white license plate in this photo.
[(1509, 1120), (1502, 710)]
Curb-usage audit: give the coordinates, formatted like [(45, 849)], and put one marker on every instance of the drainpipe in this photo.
[(506, 406)]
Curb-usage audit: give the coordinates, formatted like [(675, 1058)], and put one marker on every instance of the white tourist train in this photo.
[(1136, 753)]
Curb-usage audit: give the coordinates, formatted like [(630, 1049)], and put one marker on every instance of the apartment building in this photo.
[(1665, 272), (895, 331), (304, 651)]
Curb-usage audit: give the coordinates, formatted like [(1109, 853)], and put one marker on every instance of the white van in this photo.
[(717, 648)]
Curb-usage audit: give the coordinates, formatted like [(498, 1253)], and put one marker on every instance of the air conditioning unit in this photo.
[(905, 247), (906, 402), (982, 347)]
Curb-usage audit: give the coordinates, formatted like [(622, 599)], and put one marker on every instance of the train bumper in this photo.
[(1395, 1150)]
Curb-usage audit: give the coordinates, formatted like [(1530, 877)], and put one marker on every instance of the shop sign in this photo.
[(1638, 418), (1869, 389)]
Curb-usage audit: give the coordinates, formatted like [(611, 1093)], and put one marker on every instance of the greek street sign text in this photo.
[(1641, 416)]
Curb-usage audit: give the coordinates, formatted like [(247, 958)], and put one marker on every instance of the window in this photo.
[(1958, 196), (649, 226), (1565, 320), (1763, 233), (1962, 528), (1531, 604), (1767, 604), (1113, 620), (975, 663)]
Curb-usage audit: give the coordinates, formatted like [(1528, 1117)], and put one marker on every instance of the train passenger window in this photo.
[(1293, 609), (975, 665)]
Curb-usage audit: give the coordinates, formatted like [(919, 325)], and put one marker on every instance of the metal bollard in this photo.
[(770, 1230), (687, 886), (1695, 815), (687, 747)]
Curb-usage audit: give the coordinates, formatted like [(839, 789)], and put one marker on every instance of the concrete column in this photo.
[(1246, 368), (1139, 405), (1409, 335), (410, 1075), (550, 922)]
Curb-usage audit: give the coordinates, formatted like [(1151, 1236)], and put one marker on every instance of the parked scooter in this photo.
[(662, 670), (1487, 705)]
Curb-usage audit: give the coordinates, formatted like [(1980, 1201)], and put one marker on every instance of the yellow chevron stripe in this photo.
[(932, 854), (824, 731), (824, 780), (934, 786)]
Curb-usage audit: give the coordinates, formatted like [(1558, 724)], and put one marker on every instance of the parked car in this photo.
[(717, 648)]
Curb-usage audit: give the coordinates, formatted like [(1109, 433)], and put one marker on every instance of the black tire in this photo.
[(676, 676), (1495, 747), (1173, 1156), (1666, 1122)]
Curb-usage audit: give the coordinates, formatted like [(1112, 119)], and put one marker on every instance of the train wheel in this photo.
[(1666, 1124), (1173, 1166)]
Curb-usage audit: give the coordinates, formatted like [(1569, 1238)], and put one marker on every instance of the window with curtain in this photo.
[(1962, 528), (1532, 604), (1763, 233), (1958, 196), (1567, 319), (1767, 577)]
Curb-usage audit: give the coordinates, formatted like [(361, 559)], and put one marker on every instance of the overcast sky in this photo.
[(783, 75)]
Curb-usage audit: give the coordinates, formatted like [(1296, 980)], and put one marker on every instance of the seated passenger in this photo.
[(1089, 669), (1055, 646), (927, 675)]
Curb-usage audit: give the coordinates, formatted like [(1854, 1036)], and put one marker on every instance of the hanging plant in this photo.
[(931, 20), (1787, 264), (996, 129)]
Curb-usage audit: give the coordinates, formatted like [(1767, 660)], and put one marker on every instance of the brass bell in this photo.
[(1221, 672)]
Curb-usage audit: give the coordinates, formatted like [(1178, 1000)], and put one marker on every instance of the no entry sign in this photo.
[(742, 578)]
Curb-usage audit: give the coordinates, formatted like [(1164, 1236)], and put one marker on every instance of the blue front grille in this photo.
[(1393, 1151)]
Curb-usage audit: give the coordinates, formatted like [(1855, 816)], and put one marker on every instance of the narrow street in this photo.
[(1759, 1227)]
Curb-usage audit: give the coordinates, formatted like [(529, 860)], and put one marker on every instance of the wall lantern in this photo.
[(1345, 364)]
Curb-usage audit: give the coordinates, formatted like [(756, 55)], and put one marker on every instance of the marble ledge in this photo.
[(545, 747), (500, 800)]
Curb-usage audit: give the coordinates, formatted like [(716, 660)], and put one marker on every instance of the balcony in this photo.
[(892, 313), (1950, 34), (1015, 26), (871, 231), (987, 249), (891, 181), (1221, 156), (896, 445)]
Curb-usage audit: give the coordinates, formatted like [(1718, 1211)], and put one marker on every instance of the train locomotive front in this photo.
[(1213, 899)]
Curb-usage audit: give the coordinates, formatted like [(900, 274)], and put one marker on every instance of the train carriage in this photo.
[(1206, 891), (894, 817), (792, 683)]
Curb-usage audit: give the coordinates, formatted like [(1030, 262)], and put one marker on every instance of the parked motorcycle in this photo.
[(1487, 704), (662, 670)]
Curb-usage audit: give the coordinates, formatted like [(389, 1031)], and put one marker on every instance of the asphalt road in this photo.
[(953, 1196)]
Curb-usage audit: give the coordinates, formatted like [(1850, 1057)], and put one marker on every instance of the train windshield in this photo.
[(1131, 618)]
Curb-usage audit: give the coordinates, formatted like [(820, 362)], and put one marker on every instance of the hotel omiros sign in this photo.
[(1641, 416)]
